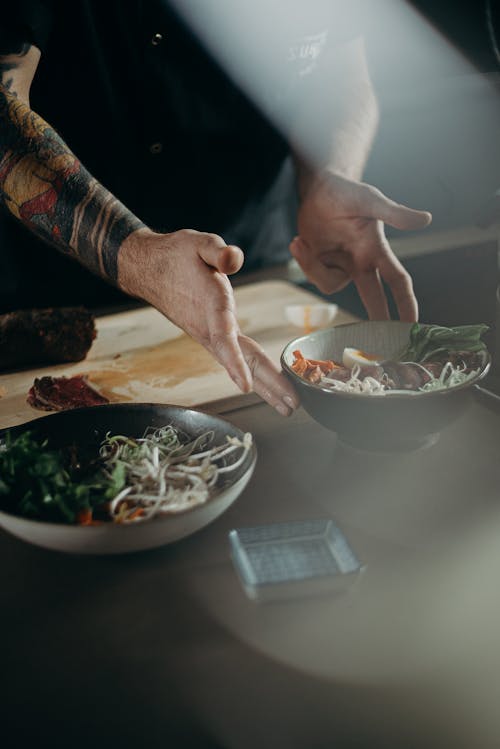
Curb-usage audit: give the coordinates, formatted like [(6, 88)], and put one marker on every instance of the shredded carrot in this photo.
[(300, 366), (137, 513), (326, 364), (84, 517), (312, 369)]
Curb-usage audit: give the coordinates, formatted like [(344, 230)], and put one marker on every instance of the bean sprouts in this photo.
[(450, 376), (165, 475), (355, 384)]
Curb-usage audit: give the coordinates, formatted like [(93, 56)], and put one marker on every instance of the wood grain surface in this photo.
[(141, 356)]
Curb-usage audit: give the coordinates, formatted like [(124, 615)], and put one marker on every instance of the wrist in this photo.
[(136, 258), (310, 177), (324, 181)]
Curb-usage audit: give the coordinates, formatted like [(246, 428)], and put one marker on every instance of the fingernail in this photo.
[(282, 409), (290, 402)]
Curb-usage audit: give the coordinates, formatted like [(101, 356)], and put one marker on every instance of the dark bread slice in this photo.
[(45, 336)]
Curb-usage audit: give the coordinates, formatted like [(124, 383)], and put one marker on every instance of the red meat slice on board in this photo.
[(60, 393)]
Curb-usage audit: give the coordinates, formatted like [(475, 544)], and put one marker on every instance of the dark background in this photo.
[(438, 148)]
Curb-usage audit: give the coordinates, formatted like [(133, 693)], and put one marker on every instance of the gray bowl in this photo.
[(86, 428), (394, 422)]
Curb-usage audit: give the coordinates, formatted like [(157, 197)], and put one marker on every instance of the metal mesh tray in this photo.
[(295, 558)]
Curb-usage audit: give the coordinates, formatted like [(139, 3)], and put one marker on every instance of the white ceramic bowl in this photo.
[(309, 316), (88, 426)]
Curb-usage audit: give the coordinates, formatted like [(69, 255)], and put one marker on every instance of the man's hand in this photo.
[(341, 239), (185, 276)]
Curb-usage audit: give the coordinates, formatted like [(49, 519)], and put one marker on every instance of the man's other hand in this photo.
[(341, 239)]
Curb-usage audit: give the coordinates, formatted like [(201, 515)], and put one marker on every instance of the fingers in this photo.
[(223, 332), (212, 249), (401, 286), (384, 265), (372, 295), (226, 350), (219, 307), (395, 214), (373, 262), (230, 259), (244, 360), (345, 241), (322, 270), (268, 381)]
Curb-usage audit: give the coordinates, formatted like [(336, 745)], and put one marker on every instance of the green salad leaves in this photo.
[(41, 483), (123, 480), (430, 341)]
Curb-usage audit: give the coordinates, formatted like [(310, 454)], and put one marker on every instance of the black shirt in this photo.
[(156, 118)]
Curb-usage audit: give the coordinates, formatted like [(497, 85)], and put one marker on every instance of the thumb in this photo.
[(298, 247), (300, 251), (397, 215), (226, 259)]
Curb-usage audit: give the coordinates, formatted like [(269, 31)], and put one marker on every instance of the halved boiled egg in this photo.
[(354, 357)]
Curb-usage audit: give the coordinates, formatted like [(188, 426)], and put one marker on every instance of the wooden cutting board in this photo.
[(141, 356)]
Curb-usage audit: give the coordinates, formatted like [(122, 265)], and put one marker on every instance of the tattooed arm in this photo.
[(183, 274), (44, 185)]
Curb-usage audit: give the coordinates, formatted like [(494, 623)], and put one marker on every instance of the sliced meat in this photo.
[(435, 368), (315, 375), (405, 375), (339, 373), (468, 359), (375, 371), (45, 336), (60, 393)]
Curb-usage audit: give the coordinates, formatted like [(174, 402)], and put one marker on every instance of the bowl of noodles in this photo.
[(120, 478), (387, 385)]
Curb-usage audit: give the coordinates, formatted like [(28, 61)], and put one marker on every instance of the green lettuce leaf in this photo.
[(428, 341)]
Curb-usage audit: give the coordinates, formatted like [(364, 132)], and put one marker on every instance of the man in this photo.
[(129, 89)]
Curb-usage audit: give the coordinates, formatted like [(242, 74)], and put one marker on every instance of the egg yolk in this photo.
[(352, 357), (364, 355)]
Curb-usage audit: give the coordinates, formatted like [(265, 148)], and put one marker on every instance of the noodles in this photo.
[(450, 376), (356, 384), (164, 475)]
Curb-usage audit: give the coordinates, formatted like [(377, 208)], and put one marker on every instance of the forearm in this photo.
[(336, 128), (44, 185)]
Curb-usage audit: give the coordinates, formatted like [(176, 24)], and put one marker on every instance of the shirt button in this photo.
[(156, 39), (156, 148)]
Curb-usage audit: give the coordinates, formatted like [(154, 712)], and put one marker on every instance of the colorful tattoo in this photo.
[(45, 186), (11, 62)]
